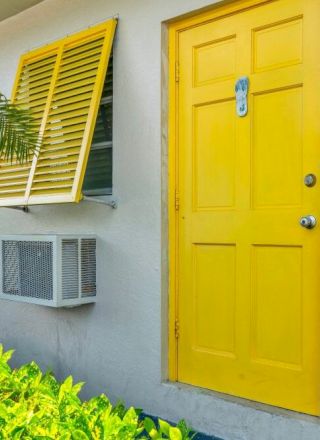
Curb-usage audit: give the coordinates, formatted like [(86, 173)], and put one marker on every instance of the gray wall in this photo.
[(118, 345)]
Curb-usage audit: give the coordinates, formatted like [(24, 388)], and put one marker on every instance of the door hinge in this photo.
[(177, 72), (177, 200), (176, 329)]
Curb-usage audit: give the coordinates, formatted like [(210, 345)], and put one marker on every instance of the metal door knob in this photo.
[(308, 221)]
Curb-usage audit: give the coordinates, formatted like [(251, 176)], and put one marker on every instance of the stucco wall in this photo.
[(118, 345)]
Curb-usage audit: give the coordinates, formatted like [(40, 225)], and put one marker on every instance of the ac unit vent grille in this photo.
[(70, 268), (88, 267), (27, 269)]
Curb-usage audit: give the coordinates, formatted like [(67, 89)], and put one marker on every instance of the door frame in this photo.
[(174, 27)]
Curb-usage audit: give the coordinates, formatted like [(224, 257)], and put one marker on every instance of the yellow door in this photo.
[(248, 296)]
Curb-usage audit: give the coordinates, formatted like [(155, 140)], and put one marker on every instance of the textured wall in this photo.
[(116, 345)]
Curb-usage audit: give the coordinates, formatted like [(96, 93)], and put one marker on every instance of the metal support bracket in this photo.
[(19, 208), (110, 202)]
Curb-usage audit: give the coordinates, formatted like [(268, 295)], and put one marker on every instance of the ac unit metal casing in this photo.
[(56, 270)]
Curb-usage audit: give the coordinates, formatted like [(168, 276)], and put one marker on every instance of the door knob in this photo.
[(310, 180), (308, 221)]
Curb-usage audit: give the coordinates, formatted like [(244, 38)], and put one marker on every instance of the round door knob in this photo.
[(308, 221), (310, 180)]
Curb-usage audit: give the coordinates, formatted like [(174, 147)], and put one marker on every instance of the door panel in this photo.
[(248, 283), (277, 147), (280, 347), (288, 50), (214, 155), (214, 264)]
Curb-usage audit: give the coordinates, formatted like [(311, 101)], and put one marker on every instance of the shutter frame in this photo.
[(76, 43)]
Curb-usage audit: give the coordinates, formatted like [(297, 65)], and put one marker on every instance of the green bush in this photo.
[(36, 406)]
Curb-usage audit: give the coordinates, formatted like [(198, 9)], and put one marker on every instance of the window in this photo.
[(98, 177), (62, 83)]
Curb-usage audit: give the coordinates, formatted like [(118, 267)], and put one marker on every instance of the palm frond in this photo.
[(19, 136)]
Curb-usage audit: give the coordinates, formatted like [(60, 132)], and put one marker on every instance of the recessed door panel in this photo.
[(214, 61), (277, 156), (276, 302), (214, 298), (214, 155), (278, 44)]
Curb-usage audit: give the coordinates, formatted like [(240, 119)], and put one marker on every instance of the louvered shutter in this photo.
[(62, 84)]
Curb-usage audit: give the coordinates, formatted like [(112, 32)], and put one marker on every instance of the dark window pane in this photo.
[(98, 177), (108, 86), (99, 172), (103, 128)]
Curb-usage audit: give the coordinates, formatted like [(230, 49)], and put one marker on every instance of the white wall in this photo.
[(116, 345)]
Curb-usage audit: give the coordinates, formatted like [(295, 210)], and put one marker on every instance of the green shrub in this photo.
[(36, 406)]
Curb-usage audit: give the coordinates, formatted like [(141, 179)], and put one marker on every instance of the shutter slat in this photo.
[(60, 152), (49, 191), (55, 176), (27, 96), (61, 140), (57, 161), (13, 189), (67, 122), (74, 91), (57, 132), (58, 110), (55, 169), (33, 90), (74, 86), (13, 175), (76, 54), (50, 184), (74, 79), (76, 98), (42, 61), (78, 64), (72, 114), (33, 83), (27, 79), (11, 184), (29, 76)]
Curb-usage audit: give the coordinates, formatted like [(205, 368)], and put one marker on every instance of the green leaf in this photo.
[(7, 355), (19, 135), (164, 427), (151, 429), (79, 435), (77, 388), (149, 424), (175, 434)]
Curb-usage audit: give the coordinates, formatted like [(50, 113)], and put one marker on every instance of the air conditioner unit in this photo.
[(51, 270)]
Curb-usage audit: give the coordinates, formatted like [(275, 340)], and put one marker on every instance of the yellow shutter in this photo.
[(62, 84)]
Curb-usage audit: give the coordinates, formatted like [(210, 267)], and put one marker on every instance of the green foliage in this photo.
[(35, 406), (166, 431), (18, 133)]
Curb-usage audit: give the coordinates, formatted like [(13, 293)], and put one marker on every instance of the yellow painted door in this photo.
[(248, 294)]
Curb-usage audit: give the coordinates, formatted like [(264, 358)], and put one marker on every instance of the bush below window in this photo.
[(35, 406)]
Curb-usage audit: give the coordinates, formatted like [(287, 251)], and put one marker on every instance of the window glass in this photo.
[(98, 178)]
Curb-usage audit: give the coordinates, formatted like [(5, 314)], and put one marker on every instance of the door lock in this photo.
[(310, 180), (308, 221)]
